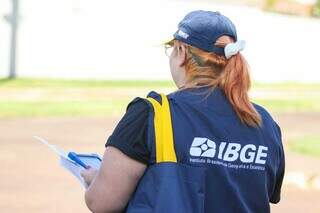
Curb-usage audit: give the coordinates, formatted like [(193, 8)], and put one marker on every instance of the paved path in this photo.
[(27, 179)]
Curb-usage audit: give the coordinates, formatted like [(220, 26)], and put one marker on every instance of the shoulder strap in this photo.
[(163, 130)]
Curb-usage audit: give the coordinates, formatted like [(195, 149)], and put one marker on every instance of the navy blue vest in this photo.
[(221, 164)]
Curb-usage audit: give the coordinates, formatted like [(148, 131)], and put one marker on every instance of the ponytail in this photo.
[(232, 75), (235, 81)]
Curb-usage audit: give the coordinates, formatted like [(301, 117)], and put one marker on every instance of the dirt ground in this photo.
[(32, 180)]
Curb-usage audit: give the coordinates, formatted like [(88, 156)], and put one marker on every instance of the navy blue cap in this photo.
[(202, 28)]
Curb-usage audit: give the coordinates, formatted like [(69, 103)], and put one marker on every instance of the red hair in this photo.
[(232, 75)]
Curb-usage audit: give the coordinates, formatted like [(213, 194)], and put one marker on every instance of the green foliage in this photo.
[(316, 9), (270, 3)]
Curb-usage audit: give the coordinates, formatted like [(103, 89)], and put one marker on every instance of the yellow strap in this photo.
[(163, 131)]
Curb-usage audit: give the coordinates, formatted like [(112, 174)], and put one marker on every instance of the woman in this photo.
[(202, 148)]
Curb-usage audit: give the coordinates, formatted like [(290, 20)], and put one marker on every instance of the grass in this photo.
[(64, 83), (288, 85), (289, 105), (25, 97), (309, 145)]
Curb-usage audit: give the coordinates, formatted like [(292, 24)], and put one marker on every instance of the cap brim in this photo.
[(168, 42)]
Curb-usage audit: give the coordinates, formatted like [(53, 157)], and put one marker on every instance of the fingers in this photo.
[(88, 175), (83, 173), (86, 172)]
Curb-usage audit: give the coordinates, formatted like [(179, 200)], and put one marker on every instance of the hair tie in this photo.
[(233, 48)]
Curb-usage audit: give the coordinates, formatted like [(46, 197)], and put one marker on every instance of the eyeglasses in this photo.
[(168, 49)]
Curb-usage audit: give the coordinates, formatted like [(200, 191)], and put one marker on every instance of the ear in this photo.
[(182, 54)]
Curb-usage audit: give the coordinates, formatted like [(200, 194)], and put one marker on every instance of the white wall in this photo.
[(117, 39)]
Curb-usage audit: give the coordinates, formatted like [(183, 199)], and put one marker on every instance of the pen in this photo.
[(73, 156)]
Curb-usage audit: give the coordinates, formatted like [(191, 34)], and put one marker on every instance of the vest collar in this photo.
[(215, 100)]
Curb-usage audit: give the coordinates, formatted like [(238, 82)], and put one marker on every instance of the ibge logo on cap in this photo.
[(206, 150), (183, 34)]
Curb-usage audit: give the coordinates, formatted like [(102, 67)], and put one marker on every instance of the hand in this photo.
[(88, 175)]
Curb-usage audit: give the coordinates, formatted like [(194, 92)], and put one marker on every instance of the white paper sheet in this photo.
[(74, 168), (71, 166)]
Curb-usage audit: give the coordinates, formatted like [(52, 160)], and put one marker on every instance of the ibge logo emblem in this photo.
[(203, 147), (228, 152)]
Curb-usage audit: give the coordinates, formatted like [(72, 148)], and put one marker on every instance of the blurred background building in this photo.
[(121, 39)]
